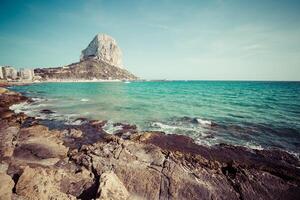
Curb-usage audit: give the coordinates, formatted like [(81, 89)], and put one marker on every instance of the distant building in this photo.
[(9, 73), (26, 74), (1, 73)]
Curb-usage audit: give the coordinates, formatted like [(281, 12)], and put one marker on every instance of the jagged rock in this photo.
[(103, 47), (6, 186), (111, 188)]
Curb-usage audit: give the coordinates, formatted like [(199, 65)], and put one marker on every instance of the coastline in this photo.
[(144, 165)]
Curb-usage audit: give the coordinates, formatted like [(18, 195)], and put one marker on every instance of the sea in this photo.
[(257, 115)]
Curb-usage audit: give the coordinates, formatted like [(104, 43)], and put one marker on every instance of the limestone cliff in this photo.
[(102, 59), (103, 47)]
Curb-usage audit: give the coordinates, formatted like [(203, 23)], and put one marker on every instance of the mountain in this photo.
[(102, 59)]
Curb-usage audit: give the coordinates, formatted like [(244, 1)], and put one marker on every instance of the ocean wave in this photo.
[(18, 108), (196, 120), (84, 100), (179, 128), (110, 128), (36, 99), (253, 146), (204, 122)]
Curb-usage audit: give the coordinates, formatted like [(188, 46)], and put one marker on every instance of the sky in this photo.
[(161, 39)]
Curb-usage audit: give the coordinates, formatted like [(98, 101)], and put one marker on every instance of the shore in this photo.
[(85, 162)]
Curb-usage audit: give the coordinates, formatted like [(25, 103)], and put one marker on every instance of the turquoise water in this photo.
[(253, 114)]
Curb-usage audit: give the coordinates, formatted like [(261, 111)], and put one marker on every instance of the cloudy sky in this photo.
[(173, 39)]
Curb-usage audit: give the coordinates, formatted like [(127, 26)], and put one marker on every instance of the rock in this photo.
[(75, 133), (111, 188), (103, 47), (101, 60), (6, 114), (47, 111), (132, 165), (3, 90), (37, 144), (6, 186), (40, 183), (7, 143), (126, 131)]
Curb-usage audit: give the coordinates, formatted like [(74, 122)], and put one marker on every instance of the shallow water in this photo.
[(253, 114)]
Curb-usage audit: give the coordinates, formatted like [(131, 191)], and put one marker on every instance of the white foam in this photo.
[(75, 123), (204, 122), (253, 146), (36, 99), (84, 100), (17, 108), (110, 128), (163, 126)]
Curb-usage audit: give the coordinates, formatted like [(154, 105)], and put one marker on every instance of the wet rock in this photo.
[(126, 130), (47, 111), (6, 114), (99, 123)]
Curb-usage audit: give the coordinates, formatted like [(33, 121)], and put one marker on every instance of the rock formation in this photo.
[(85, 162), (100, 60), (103, 47)]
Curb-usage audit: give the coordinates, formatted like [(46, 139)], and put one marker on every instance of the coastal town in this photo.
[(11, 74)]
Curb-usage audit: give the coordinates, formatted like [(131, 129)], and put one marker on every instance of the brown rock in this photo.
[(52, 183), (6, 186), (111, 188), (3, 90), (40, 183), (37, 144), (7, 140)]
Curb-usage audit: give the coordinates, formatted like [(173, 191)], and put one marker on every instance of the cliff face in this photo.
[(87, 69), (103, 47), (102, 59)]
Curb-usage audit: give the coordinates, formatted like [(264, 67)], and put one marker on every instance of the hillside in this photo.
[(87, 69)]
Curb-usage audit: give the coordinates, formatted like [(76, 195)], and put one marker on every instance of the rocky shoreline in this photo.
[(85, 162)]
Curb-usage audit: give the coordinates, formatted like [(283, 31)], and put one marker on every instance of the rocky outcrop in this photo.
[(85, 162), (103, 47), (101, 60)]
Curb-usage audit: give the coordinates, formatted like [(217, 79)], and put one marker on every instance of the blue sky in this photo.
[(173, 39)]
